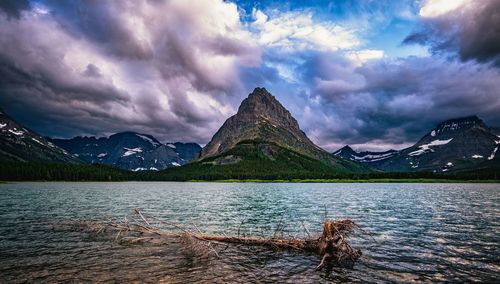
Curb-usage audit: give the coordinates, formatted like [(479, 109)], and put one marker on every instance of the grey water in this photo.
[(416, 232)]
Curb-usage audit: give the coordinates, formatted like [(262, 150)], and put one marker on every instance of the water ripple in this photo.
[(420, 232)]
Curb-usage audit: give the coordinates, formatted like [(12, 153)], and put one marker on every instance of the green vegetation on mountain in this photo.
[(256, 159)]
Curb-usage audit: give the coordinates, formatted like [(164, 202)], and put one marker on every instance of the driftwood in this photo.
[(331, 245)]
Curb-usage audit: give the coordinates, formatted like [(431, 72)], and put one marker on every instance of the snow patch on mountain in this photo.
[(145, 169), (175, 164), (477, 156), (102, 155), (374, 157), (37, 141), (171, 145), (363, 157), (131, 151), (492, 156), (16, 132), (148, 139), (427, 147), (2, 125)]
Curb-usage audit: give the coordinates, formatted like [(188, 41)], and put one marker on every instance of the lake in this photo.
[(419, 232)]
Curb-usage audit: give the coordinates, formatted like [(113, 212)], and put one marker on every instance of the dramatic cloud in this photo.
[(395, 102), (468, 28), (177, 69), (96, 67)]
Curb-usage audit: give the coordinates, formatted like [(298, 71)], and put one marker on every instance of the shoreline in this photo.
[(416, 180)]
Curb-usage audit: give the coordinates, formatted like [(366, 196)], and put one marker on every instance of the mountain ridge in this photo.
[(456, 144), (348, 153), (130, 150)]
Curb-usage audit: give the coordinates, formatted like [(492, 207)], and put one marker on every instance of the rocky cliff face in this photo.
[(261, 117)]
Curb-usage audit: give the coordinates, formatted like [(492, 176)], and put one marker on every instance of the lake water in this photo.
[(420, 232)]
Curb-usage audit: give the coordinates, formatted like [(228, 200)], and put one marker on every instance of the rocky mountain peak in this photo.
[(260, 100), (347, 149), (458, 124), (261, 104), (262, 117)]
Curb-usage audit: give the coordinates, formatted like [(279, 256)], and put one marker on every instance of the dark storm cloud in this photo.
[(13, 8), (471, 31), (169, 68), (396, 102), (103, 22)]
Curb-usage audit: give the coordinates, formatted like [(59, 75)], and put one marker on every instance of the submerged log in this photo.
[(331, 245)]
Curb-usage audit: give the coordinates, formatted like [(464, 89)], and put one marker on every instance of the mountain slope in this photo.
[(256, 159), (18, 143), (130, 150), (456, 144), (263, 136), (347, 153)]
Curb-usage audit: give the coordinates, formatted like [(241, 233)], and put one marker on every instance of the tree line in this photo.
[(19, 171)]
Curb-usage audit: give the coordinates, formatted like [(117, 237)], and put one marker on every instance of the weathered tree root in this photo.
[(331, 245)]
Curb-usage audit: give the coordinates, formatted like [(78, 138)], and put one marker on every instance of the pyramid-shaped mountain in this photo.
[(263, 140), (261, 117)]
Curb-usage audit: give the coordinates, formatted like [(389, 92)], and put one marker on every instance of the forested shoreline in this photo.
[(18, 171)]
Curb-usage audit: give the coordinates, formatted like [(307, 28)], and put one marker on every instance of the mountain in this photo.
[(17, 143), (348, 153), (130, 150), (263, 139), (456, 144), (261, 117)]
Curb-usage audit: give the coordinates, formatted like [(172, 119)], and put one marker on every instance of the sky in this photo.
[(374, 74)]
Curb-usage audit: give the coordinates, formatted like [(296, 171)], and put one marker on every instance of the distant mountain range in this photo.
[(126, 150), (130, 151), (456, 144), (348, 153)]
